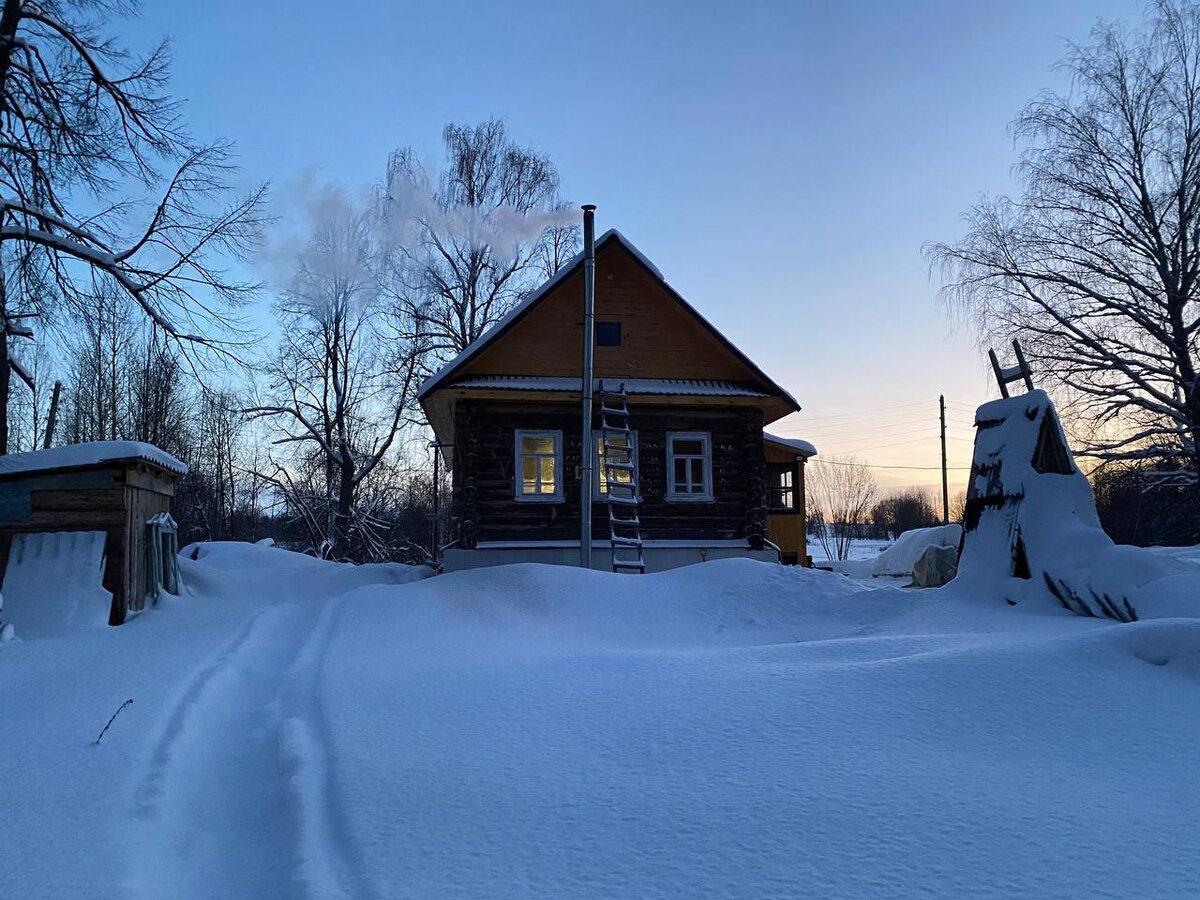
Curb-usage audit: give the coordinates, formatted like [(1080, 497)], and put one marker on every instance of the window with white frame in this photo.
[(689, 465), (538, 466), (625, 449)]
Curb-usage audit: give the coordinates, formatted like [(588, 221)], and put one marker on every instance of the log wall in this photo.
[(485, 509)]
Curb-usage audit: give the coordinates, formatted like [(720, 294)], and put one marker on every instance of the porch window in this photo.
[(781, 488), (689, 465), (539, 466), (620, 476)]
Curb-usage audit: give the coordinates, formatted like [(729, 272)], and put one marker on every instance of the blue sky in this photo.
[(782, 162)]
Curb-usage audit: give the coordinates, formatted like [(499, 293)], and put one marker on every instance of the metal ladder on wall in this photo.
[(620, 475)]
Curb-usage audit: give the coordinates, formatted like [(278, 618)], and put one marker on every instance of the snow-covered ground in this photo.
[(734, 729)]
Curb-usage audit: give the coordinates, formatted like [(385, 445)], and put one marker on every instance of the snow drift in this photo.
[(733, 729)]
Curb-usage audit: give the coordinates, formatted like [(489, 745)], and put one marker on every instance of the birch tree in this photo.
[(101, 187), (1096, 265), (340, 395), (466, 245)]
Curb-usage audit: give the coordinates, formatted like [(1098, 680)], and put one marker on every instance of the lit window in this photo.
[(781, 488), (539, 465), (689, 466), (623, 451)]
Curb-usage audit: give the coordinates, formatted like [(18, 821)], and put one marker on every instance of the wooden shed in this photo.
[(122, 489)]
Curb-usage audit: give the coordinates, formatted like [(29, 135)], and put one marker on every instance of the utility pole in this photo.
[(52, 419), (945, 482)]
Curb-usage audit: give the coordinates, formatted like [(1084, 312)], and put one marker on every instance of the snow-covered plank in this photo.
[(797, 444), (89, 454)]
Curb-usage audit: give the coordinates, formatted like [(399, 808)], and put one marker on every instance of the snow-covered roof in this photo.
[(90, 454), (439, 378), (690, 387), (800, 446)]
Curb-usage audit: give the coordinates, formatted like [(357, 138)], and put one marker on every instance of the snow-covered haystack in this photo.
[(1031, 531), (900, 557)]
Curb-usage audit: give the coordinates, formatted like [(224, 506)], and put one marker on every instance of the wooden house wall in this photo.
[(116, 500), (485, 508), (787, 529)]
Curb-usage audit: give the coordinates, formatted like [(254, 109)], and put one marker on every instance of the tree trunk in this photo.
[(345, 506), (5, 380)]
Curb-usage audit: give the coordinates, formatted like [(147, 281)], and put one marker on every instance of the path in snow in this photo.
[(236, 800)]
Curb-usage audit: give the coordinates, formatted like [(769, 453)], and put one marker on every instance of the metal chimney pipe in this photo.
[(587, 453)]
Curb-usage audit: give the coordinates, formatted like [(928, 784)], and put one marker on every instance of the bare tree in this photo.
[(1096, 266), (80, 121), (340, 395), (842, 489), (464, 250)]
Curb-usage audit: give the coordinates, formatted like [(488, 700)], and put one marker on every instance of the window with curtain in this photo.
[(539, 465)]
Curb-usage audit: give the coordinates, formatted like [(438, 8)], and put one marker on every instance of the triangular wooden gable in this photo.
[(662, 336)]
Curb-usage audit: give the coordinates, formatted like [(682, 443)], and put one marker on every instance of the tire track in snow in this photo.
[(235, 801), (325, 861)]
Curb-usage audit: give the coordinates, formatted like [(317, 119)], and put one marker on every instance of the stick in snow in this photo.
[(113, 719)]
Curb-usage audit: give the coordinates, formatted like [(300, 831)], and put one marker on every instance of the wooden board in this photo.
[(659, 338)]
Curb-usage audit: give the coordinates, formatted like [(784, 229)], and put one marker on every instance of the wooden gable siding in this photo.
[(484, 507), (659, 339)]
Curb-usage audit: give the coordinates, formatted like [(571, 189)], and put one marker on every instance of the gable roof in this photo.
[(443, 376)]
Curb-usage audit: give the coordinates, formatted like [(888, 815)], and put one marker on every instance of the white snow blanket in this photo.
[(900, 557), (88, 454), (53, 583), (733, 729)]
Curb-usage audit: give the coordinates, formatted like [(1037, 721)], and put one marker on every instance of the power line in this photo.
[(858, 428), (869, 411), (830, 462)]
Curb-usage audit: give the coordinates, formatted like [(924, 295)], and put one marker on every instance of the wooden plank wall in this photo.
[(659, 338), (502, 518)]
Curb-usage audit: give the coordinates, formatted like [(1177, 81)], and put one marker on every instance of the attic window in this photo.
[(608, 334)]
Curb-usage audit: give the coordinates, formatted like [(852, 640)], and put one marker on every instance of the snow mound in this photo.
[(236, 568), (736, 729), (52, 583), (900, 557)]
